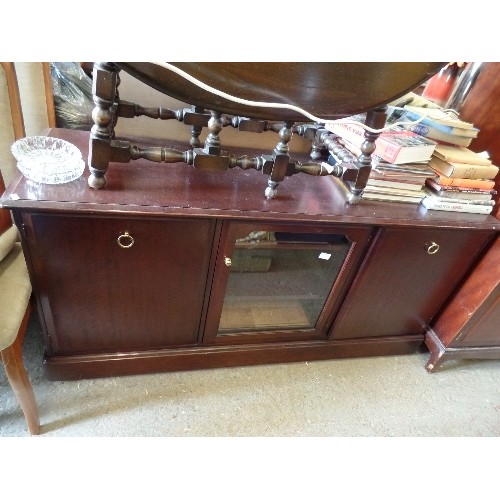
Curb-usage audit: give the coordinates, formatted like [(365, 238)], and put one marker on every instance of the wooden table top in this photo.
[(327, 90)]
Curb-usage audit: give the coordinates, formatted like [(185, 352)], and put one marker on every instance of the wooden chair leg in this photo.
[(12, 358)]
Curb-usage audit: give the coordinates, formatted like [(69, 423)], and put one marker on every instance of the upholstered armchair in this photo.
[(15, 286), (15, 310)]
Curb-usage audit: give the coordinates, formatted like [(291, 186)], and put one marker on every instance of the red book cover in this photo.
[(395, 146), (403, 146)]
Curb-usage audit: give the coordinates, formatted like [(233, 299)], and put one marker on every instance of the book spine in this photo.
[(467, 171), (413, 186), (432, 184), (466, 196), (459, 154), (460, 182), (436, 135), (437, 199), (395, 190), (355, 136), (432, 204), (463, 170), (450, 143), (446, 129), (389, 197), (389, 168), (459, 125)]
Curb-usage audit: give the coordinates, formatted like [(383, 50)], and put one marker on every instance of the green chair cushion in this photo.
[(15, 292), (7, 240)]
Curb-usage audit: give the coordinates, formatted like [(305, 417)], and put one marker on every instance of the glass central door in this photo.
[(279, 281)]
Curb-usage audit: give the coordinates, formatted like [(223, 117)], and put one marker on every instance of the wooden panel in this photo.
[(484, 328), (199, 357), (97, 296), (401, 287), (14, 99)]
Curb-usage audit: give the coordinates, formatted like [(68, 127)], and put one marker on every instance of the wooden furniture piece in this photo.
[(469, 326), (173, 269), (15, 285), (15, 307), (322, 90), (11, 116)]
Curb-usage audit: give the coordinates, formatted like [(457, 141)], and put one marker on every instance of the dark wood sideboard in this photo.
[(169, 268)]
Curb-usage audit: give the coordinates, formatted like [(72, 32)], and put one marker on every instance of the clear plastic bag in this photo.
[(72, 90)]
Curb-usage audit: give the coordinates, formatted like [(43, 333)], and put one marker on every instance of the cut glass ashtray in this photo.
[(48, 160)]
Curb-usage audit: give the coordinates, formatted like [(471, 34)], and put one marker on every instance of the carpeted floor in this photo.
[(383, 396)]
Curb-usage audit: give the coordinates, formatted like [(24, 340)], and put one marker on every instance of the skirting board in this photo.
[(203, 357)]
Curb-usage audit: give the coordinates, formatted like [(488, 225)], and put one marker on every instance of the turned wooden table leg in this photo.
[(104, 89), (374, 119), (281, 160)]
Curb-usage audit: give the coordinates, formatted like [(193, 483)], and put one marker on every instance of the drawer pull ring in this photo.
[(125, 240), (432, 247)]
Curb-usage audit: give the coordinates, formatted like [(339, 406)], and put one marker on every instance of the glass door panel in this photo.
[(280, 280)]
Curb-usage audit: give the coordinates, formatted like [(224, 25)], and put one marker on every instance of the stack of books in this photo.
[(464, 181), (396, 146), (399, 162), (404, 183)]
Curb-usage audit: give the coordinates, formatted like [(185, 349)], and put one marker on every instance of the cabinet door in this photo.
[(405, 279), (280, 282), (109, 284)]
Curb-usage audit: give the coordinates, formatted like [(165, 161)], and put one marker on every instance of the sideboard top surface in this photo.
[(149, 188)]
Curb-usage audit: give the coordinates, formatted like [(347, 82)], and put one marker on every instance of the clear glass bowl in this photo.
[(48, 160)]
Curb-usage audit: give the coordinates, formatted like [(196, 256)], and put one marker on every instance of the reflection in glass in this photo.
[(280, 281)]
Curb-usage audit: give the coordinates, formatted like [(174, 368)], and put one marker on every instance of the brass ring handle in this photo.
[(432, 247), (125, 240)]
